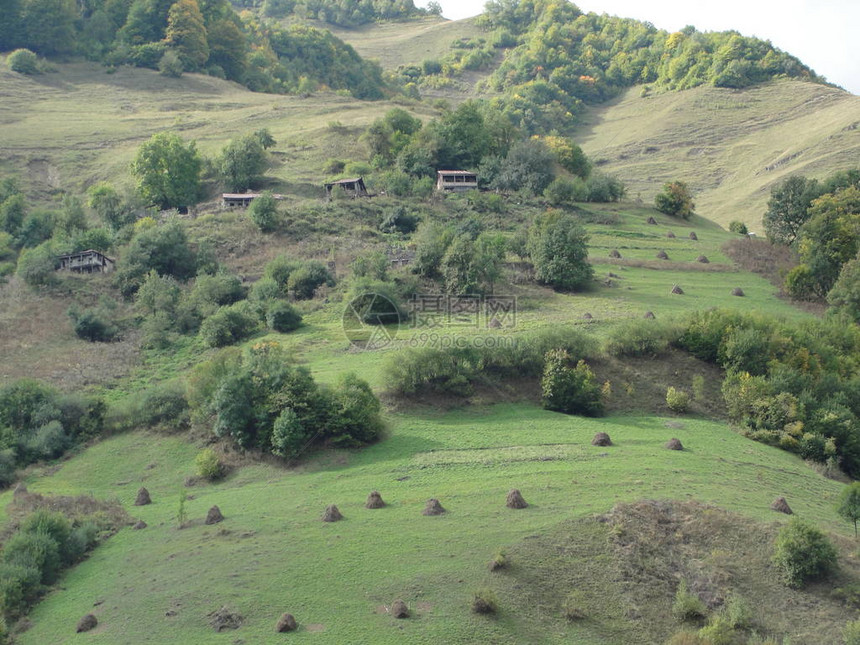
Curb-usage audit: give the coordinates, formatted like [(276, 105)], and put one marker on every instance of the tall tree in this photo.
[(168, 171), (49, 26), (557, 246), (186, 33), (787, 209), (242, 161)]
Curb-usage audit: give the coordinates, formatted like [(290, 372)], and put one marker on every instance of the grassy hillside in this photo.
[(273, 554), (731, 146)]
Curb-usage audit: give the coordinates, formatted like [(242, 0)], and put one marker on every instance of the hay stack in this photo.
[(433, 507), (601, 439), (494, 323), (515, 499), (662, 255), (332, 514), (613, 275), (140, 524), (587, 316), (224, 619), (703, 259), (286, 623), (737, 291), (649, 315), (87, 623), (693, 235), (142, 498), (678, 291), (615, 254), (781, 506), (674, 444), (374, 500), (670, 235), (214, 516), (652, 221), (399, 609)]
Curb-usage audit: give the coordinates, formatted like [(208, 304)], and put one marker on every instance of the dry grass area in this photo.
[(730, 146), (37, 340)]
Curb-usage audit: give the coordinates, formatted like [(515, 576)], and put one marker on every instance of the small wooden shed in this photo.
[(89, 261), (456, 180), (352, 187)]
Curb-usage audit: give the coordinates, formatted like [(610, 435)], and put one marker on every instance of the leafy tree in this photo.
[(788, 208), (37, 266), (12, 212), (186, 34), (283, 317), (168, 171), (802, 553), (227, 48), (569, 156), (845, 294), (107, 203), (242, 161), (355, 412), (307, 277), (528, 166), (49, 26), (431, 242), (736, 226), (565, 191), (570, 390), (229, 325), (264, 136), (170, 64), (163, 249), (675, 200), (557, 247), (848, 505)]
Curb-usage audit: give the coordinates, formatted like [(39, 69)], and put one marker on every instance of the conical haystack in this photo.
[(374, 500), (214, 516), (678, 291), (399, 609), (587, 316), (737, 291), (332, 514), (140, 524), (601, 439), (649, 315), (652, 221), (693, 235), (703, 259), (142, 498), (674, 444), (433, 507), (515, 499), (662, 255), (286, 623), (87, 623), (615, 254), (781, 506), (670, 235)]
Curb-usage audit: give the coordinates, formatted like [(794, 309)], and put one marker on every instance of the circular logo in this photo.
[(371, 321)]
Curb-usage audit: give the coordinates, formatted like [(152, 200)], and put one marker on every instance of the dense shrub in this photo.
[(356, 411), (677, 400), (230, 325), (23, 61), (283, 317), (163, 249), (35, 549), (851, 632), (557, 247), (641, 338), (570, 390), (687, 606), (163, 405), (207, 464), (19, 586), (94, 324), (484, 601), (802, 553), (264, 212), (675, 200), (37, 266), (304, 280), (738, 227), (562, 191)]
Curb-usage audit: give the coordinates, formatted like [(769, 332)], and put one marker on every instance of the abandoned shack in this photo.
[(352, 187), (86, 262), (456, 180), (243, 200)]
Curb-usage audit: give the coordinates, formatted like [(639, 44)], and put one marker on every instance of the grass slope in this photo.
[(273, 554), (731, 146)]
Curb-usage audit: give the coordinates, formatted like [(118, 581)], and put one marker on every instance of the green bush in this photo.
[(640, 338), (207, 464), (37, 266), (356, 411), (49, 441), (283, 317), (19, 585), (738, 227), (802, 553), (737, 612), (484, 601), (570, 390), (34, 549), (230, 325), (851, 632), (264, 212), (163, 405), (687, 606), (94, 325), (557, 247), (7, 468), (677, 400), (54, 525), (289, 437), (307, 277), (265, 289), (566, 191), (718, 631), (23, 61)]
